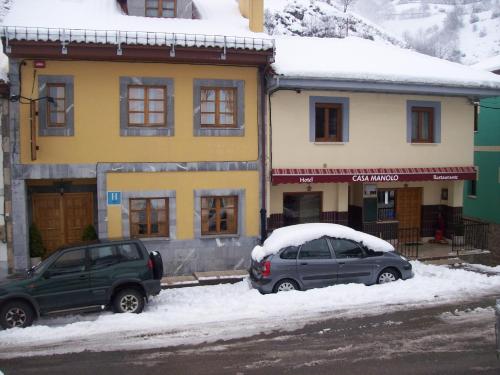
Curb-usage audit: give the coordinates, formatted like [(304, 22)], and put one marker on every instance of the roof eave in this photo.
[(109, 52), (305, 83)]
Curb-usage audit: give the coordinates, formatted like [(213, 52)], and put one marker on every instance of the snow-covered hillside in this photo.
[(466, 31), (321, 18)]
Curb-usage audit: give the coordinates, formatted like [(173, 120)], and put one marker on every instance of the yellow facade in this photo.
[(377, 133), (97, 116), (184, 184)]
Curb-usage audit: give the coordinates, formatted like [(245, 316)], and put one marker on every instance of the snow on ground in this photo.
[(211, 313), (296, 235), (360, 59)]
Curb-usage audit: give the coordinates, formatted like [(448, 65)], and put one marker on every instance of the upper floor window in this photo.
[(147, 105), (56, 112), (422, 125), (218, 107), (161, 8), (328, 122), (328, 119), (149, 217), (56, 107), (219, 215), (423, 122)]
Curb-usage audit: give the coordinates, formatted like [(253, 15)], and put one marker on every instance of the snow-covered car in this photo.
[(305, 256)]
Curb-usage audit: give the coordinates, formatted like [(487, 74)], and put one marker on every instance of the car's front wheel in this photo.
[(16, 314), (128, 301), (387, 276), (285, 285)]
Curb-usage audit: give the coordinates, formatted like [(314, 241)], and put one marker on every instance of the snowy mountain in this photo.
[(466, 31), (321, 18)]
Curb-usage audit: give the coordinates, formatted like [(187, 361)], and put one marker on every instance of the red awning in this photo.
[(371, 175)]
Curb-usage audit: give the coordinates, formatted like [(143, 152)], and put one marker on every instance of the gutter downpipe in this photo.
[(270, 91)]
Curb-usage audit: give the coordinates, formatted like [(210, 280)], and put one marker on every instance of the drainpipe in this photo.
[(497, 327)]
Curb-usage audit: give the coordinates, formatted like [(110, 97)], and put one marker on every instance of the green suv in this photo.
[(116, 274)]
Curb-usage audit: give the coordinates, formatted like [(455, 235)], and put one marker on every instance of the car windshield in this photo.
[(40, 267)]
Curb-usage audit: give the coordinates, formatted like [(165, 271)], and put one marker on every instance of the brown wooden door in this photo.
[(78, 213), (48, 217), (408, 207), (61, 219)]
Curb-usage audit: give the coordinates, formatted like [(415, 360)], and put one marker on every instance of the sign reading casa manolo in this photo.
[(311, 176)]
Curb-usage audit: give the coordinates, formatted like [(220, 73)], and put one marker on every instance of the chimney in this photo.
[(253, 10)]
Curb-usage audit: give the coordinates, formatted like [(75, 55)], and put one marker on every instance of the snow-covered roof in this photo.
[(296, 235), (103, 21), (491, 65), (356, 59)]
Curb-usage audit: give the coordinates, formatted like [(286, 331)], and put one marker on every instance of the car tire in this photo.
[(285, 285), (16, 314), (387, 275), (128, 301)]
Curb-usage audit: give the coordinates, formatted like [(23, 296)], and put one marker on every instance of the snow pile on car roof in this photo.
[(296, 235)]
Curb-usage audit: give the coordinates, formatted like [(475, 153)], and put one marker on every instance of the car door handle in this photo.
[(83, 276), (341, 263), (304, 264)]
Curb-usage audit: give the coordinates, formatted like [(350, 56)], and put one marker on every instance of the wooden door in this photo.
[(48, 217), (409, 207), (61, 219), (78, 213)]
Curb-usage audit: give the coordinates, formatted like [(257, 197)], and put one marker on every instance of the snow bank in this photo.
[(295, 235), (211, 313), (364, 60)]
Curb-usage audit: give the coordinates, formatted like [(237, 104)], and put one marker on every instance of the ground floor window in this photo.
[(386, 205), (302, 208), (149, 217), (219, 215)]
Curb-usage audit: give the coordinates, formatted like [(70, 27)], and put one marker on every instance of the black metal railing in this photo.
[(406, 241), (469, 235)]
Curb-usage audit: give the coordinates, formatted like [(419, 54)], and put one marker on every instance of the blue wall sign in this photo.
[(114, 197)]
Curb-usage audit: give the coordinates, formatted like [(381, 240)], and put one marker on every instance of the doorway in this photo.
[(299, 208), (62, 218), (409, 207)]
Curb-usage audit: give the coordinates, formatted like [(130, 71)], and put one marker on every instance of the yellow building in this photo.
[(151, 131)]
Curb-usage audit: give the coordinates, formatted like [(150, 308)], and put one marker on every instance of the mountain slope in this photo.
[(466, 31), (320, 18)]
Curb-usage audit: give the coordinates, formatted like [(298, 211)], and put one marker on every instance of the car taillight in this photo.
[(266, 268), (150, 264)]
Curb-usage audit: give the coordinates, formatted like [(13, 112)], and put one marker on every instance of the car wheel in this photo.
[(128, 301), (387, 276), (16, 314), (285, 285)]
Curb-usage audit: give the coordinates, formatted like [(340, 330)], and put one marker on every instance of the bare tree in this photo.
[(346, 4)]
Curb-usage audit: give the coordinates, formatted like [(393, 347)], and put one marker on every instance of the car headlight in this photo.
[(405, 259)]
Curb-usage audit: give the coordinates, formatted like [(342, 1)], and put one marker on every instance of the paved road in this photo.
[(451, 339)]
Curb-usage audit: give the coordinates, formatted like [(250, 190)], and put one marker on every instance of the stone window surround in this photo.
[(145, 131), (125, 207), (313, 100), (239, 130), (43, 128), (240, 193), (437, 119)]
